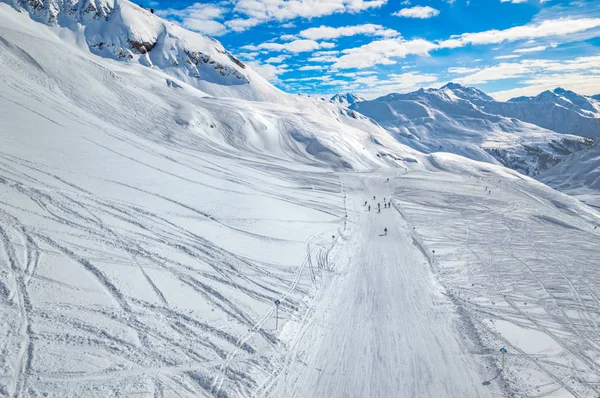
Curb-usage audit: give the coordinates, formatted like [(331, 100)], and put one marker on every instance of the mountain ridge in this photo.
[(346, 99), (126, 32)]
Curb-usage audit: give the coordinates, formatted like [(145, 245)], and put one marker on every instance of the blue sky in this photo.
[(374, 47)]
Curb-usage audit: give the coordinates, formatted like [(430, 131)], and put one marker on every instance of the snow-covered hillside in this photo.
[(449, 119), (559, 110), (578, 175), (124, 31), (346, 99), (147, 229)]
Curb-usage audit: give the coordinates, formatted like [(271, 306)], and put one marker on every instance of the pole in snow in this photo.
[(503, 351), (277, 302)]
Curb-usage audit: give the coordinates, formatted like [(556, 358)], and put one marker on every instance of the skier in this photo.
[(385, 231), (379, 206), (365, 202), (373, 197), (369, 207)]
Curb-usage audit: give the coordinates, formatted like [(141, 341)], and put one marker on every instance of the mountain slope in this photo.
[(346, 99), (559, 110), (448, 119), (123, 31), (147, 230), (578, 175)]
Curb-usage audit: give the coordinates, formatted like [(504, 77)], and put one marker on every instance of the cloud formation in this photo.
[(328, 33), (417, 12), (548, 28)]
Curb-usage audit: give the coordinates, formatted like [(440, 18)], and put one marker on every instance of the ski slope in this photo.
[(386, 329), (147, 227), (399, 319)]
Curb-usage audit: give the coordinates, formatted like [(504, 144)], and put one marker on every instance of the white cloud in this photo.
[(507, 56), (530, 68), (497, 72), (249, 55), (311, 67), (268, 71), (382, 52), (398, 83), (326, 32), (198, 17), (296, 46), (548, 28), (323, 58), (241, 24), (530, 49), (461, 70), (277, 60), (262, 11), (288, 37), (513, 1), (417, 12)]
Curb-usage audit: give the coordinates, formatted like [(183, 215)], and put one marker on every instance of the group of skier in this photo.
[(386, 205)]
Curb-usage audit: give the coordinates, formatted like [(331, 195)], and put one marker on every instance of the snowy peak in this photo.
[(124, 31), (456, 119), (467, 93), (451, 92), (346, 99), (586, 106)]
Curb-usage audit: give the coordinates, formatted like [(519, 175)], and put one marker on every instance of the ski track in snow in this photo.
[(72, 225), (145, 232)]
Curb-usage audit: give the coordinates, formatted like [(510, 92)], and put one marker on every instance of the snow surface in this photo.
[(578, 175), (147, 227)]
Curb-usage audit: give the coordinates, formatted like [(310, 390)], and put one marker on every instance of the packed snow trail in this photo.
[(386, 329)]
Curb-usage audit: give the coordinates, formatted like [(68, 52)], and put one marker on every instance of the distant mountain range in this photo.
[(346, 99), (559, 110), (468, 122)]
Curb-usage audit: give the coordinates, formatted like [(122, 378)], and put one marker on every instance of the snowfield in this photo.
[(148, 227)]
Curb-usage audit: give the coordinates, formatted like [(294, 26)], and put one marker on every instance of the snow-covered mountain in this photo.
[(346, 99), (452, 119), (126, 32), (559, 110), (158, 240), (596, 97), (578, 175)]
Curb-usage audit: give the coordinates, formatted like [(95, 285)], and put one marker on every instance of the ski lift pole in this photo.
[(503, 351), (277, 302)]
